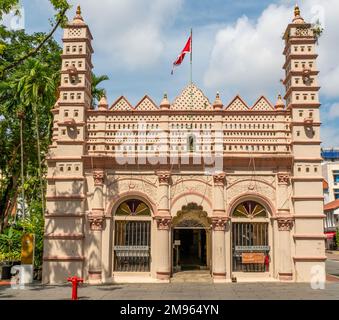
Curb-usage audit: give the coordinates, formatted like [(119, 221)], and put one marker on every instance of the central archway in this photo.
[(191, 239)]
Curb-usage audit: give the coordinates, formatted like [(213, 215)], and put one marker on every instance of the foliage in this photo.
[(10, 239), (30, 87), (97, 93), (317, 30), (30, 76), (10, 244)]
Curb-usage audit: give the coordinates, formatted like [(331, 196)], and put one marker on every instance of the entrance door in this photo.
[(189, 249), (250, 247)]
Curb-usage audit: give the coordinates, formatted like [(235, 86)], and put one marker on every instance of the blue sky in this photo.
[(237, 47)]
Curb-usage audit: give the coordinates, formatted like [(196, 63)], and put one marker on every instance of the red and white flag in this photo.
[(181, 56)]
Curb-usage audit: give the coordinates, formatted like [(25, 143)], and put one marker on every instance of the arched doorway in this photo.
[(132, 236), (191, 239), (250, 238)]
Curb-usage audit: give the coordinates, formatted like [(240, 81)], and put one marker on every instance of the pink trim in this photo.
[(174, 200), (235, 98), (180, 181), (263, 97), (310, 258), (64, 158), (163, 275), (247, 179), (134, 178), (141, 101), (318, 179), (71, 142), (64, 215), (305, 198), (309, 236), (308, 159), (65, 178), (117, 101), (285, 276), (116, 200), (65, 236), (315, 142), (251, 196), (66, 197), (64, 258), (309, 216)]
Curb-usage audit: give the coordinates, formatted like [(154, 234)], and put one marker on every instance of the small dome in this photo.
[(78, 20), (217, 103), (165, 104), (280, 103), (103, 105), (297, 17)]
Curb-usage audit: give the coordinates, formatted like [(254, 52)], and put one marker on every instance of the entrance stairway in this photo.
[(198, 276)]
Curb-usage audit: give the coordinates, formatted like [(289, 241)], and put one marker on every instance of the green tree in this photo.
[(97, 93), (31, 88)]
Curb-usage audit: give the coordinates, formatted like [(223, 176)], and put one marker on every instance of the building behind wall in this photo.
[(330, 170), (140, 193)]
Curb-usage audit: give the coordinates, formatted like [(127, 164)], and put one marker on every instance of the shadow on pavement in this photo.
[(108, 288)]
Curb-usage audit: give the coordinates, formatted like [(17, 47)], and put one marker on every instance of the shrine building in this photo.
[(142, 193)]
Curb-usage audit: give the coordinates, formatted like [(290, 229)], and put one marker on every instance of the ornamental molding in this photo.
[(163, 223), (285, 224), (219, 223), (219, 178), (98, 176), (164, 177), (96, 222), (283, 178), (192, 214)]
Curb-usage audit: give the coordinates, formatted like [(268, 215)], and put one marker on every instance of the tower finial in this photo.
[(296, 10), (79, 10), (78, 18), (297, 17)]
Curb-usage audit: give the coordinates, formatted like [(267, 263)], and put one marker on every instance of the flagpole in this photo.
[(191, 69), (191, 58)]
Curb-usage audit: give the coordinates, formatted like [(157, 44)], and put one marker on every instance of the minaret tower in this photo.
[(66, 182), (302, 99)]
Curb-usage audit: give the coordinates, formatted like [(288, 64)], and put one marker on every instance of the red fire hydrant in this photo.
[(75, 280)]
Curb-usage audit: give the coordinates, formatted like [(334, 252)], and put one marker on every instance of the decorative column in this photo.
[(219, 252), (285, 268), (218, 194), (96, 222), (283, 205), (163, 268), (163, 193)]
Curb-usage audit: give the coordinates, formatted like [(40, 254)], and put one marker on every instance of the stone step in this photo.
[(192, 276)]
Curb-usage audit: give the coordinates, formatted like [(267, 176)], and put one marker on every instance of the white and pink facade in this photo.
[(138, 193)]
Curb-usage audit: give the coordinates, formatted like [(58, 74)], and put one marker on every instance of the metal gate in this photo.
[(248, 238), (132, 246)]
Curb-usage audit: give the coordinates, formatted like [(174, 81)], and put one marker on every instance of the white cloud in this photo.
[(247, 55), (128, 33)]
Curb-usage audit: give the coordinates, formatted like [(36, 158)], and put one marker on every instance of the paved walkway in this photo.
[(332, 255), (177, 291)]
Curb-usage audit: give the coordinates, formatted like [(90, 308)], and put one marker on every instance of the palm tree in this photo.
[(97, 93), (37, 90)]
